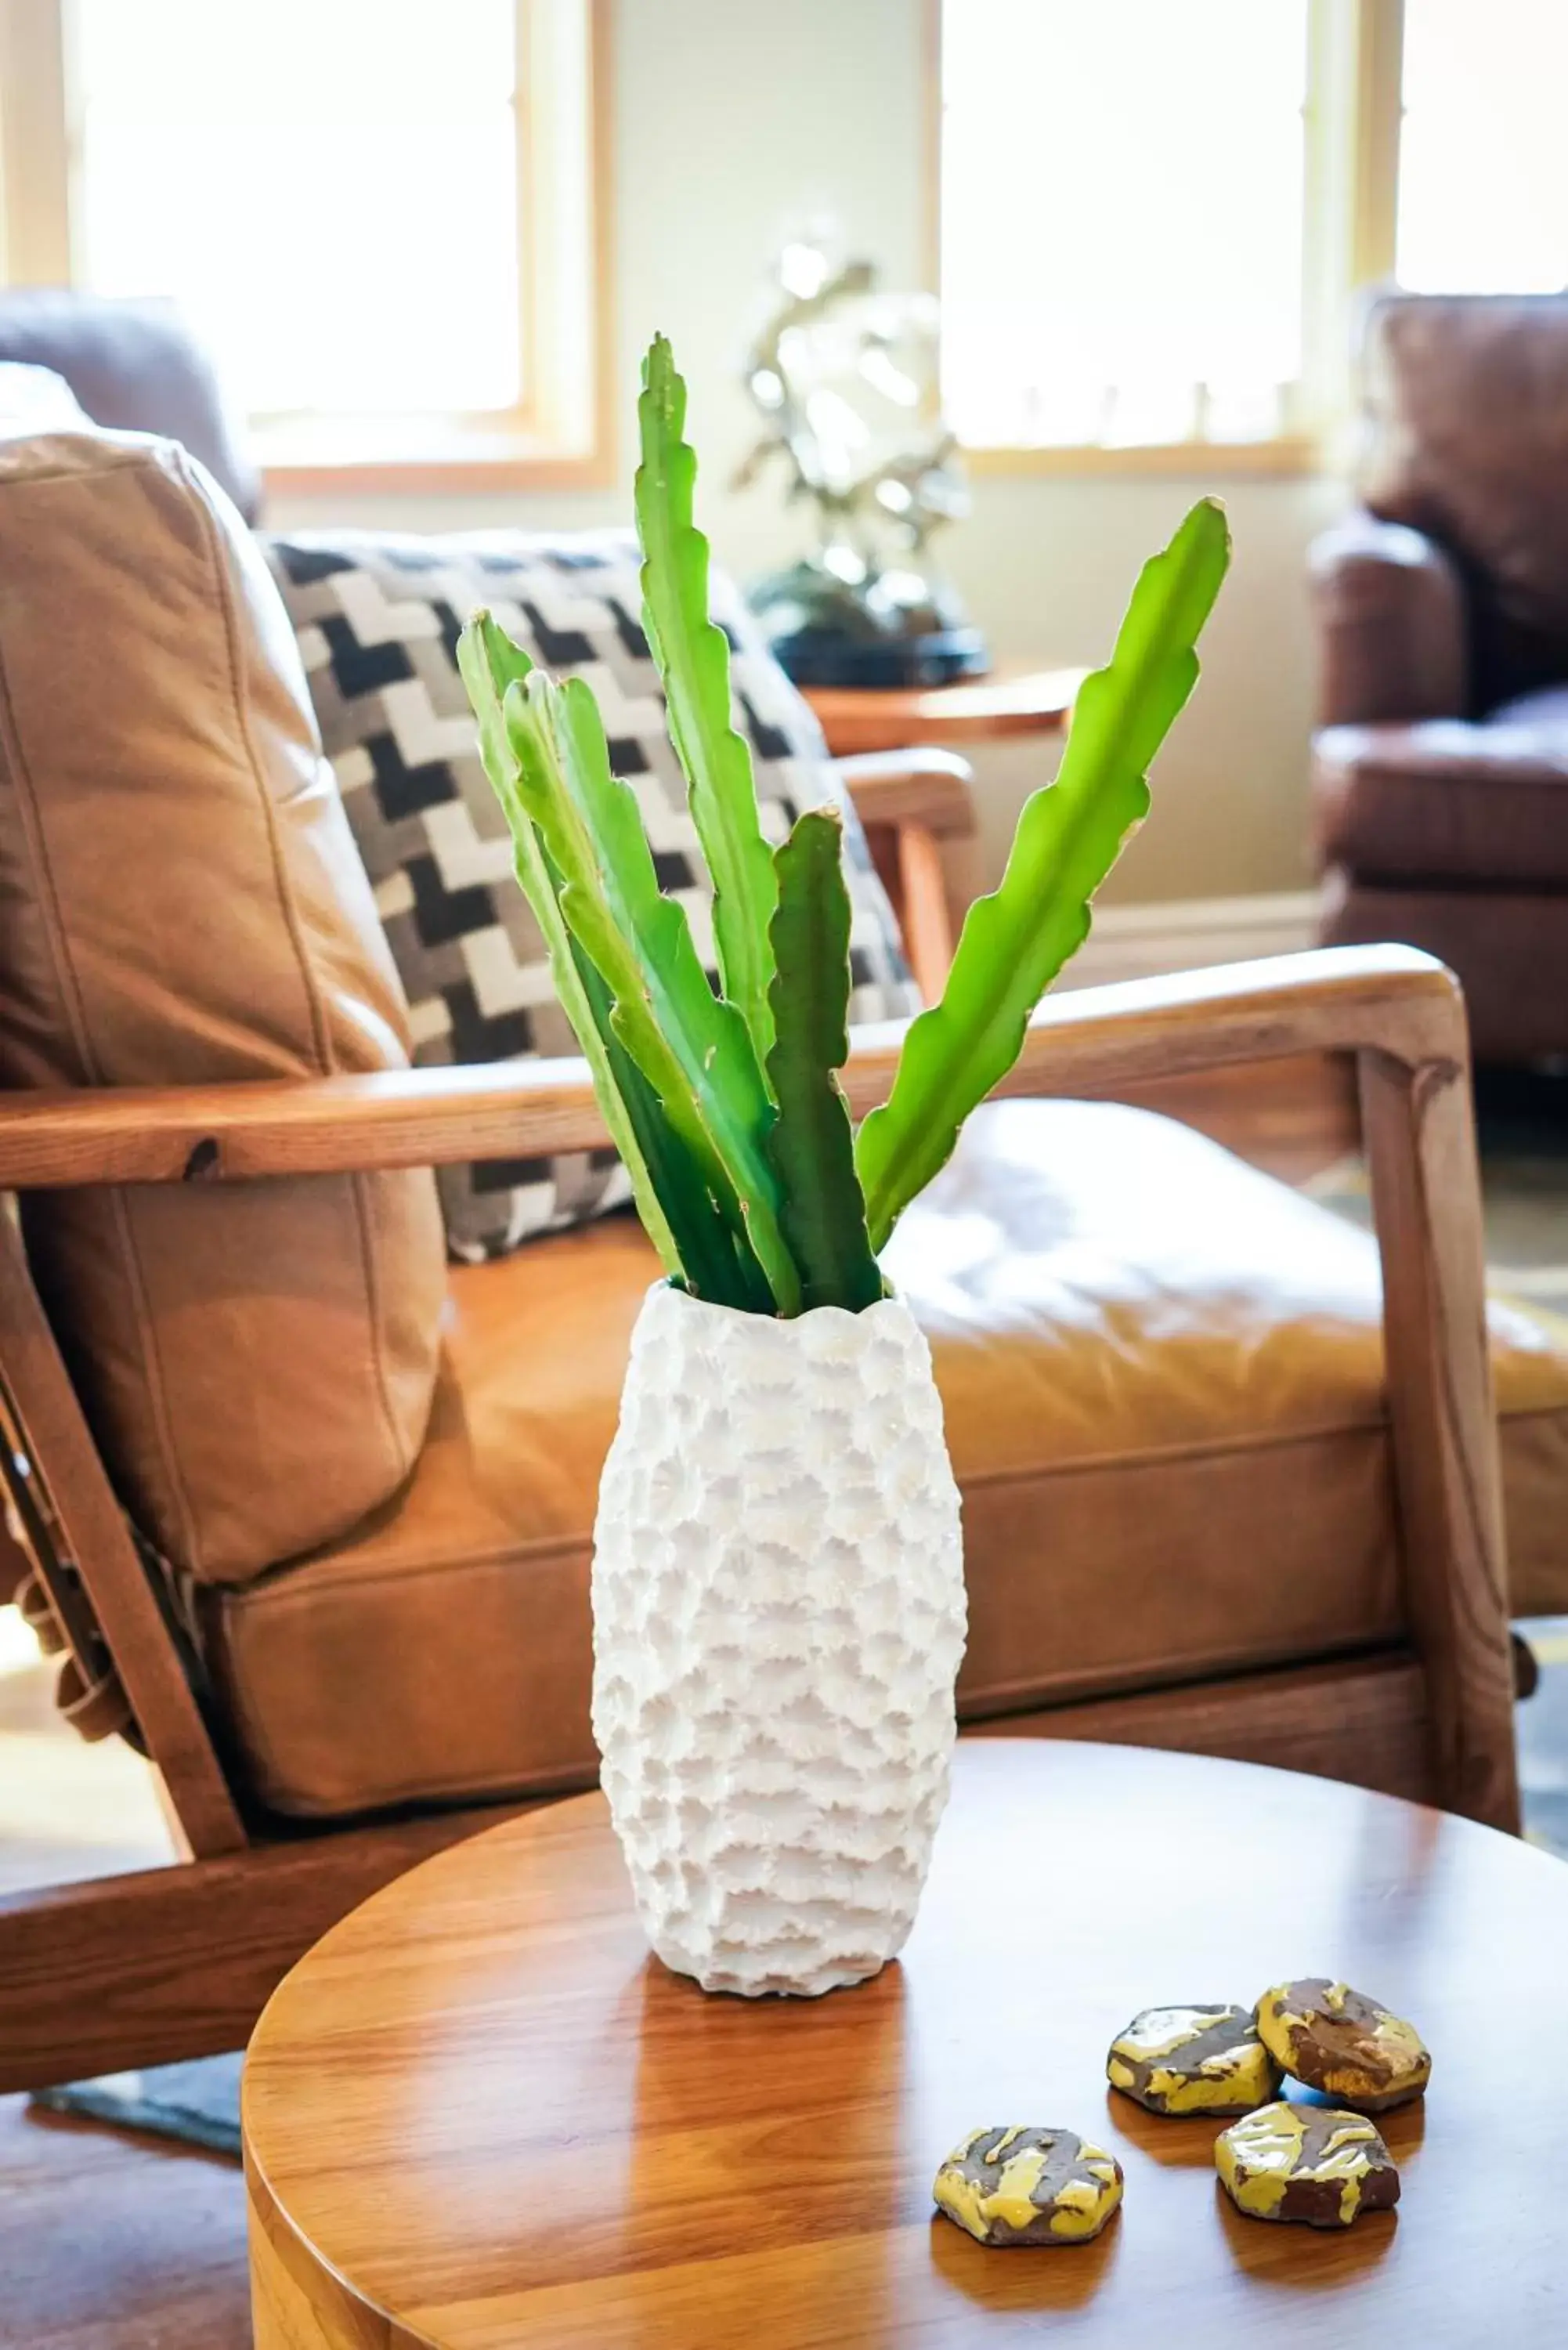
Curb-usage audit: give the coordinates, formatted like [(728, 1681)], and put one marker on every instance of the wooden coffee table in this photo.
[(479, 2115)]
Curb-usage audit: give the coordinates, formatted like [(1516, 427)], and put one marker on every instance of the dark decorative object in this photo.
[(845, 380), (1194, 2060), (1307, 2163), (1029, 2185), (1339, 2041)]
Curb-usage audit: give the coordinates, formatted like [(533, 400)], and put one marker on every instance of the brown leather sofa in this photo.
[(311, 1513), (1440, 771)]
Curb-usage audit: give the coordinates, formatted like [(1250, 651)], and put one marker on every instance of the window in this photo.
[(1123, 220), (1484, 163), (377, 213), (1154, 217)]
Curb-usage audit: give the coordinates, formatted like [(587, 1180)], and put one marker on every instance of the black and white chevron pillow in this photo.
[(377, 617)]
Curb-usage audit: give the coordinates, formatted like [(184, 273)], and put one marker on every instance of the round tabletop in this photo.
[(896, 718), (480, 2115)]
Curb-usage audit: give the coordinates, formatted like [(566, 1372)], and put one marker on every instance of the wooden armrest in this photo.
[(1398, 1012), (910, 801), (297, 1126), (924, 787), (1391, 1001), (1104, 1041)]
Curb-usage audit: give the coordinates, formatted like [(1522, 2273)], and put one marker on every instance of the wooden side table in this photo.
[(479, 2114), (865, 718)]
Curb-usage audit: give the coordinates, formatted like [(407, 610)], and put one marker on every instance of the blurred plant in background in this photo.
[(845, 377)]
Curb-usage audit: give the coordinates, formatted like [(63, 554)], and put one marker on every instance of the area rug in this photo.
[(197, 2103)]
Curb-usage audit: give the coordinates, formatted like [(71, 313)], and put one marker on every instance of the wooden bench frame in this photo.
[(176, 1962)]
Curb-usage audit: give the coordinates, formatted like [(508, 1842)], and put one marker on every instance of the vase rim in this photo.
[(816, 1315)]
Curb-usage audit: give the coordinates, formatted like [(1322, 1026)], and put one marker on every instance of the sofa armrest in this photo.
[(1391, 621), (1092, 1041), (1452, 803)]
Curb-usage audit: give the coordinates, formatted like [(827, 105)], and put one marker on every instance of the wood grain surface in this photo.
[(479, 2114), (113, 2241), (91, 1524), (1392, 1000), (883, 718), (1425, 1191), (922, 785), (160, 1964), (921, 901)]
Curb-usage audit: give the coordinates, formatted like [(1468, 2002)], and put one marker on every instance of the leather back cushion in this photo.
[(181, 902), (1468, 400)]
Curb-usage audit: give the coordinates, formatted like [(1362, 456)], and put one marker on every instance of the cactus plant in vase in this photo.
[(778, 1592)]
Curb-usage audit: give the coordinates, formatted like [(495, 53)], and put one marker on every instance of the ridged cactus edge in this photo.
[(726, 1106)]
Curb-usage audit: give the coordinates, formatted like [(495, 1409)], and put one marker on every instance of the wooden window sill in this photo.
[(1191, 460), (521, 466)]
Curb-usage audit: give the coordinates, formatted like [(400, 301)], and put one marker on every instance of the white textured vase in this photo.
[(778, 1618)]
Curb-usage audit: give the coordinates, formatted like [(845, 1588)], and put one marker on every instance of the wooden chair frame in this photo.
[(176, 1962)]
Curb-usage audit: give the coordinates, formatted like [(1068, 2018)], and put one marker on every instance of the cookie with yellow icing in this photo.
[(1339, 2041), (1193, 2060), (1306, 2163), (1029, 2185)]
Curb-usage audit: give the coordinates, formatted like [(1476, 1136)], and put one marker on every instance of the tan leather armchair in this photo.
[(310, 1512), (1440, 767), (1401, 1677)]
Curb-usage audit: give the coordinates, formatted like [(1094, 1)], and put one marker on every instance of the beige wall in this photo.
[(737, 120)]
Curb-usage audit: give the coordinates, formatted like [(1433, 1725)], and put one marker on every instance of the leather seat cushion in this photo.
[(1441, 800), (1161, 1375)]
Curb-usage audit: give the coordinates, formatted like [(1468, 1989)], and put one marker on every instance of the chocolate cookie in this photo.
[(1339, 2041), (1306, 2163), (1193, 2060), (1028, 2185)]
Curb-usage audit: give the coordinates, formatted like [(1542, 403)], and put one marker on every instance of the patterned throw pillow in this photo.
[(377, 617)]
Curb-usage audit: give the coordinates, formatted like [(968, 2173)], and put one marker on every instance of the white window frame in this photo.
[(558, 435), (1351, 200)]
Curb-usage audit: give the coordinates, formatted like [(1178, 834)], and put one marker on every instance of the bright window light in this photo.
[(1483, 160), (1122, 218), (19, 1649), (329, 188)]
